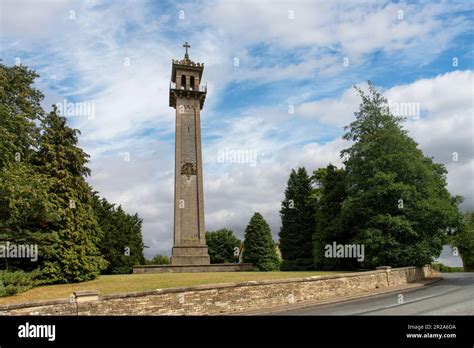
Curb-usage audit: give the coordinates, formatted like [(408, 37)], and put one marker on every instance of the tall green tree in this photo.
[(397, 203), (259, 247), (221, 245), (122, 243), (26, 210), (76, 256), (297, 222), (464, 241), (329, 195)]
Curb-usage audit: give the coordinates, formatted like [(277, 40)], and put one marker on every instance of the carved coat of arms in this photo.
[(189, 169)]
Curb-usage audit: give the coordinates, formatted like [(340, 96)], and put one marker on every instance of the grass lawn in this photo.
[(113, 284)]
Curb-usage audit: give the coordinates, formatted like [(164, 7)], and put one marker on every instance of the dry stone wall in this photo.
[(224, 298)]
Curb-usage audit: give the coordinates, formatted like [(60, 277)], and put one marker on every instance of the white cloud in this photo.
[(335, 111), (33, 19), (354, 28)]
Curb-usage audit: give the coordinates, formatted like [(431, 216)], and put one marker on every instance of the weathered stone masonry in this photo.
[(222, 299)]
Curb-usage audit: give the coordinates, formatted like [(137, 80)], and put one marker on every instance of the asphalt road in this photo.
[(454, 295)]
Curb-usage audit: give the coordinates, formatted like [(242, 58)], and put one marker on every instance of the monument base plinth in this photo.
[(190, 255), (217, 267)]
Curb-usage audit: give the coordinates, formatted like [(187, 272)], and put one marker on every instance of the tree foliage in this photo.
[(397, 203), (259, 247), (12, 283), (26, 210), (26, 213), (76, 256), (297, 218), (158, 260), (20, 113), (44, 197), (464, 241), (328, 197), (221, 245), (122, 244)]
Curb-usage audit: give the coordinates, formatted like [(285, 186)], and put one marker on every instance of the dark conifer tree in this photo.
[(259, 247)]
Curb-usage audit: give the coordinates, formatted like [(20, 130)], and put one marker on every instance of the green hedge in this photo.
[(12, 283), (297, 265), (446, 269)]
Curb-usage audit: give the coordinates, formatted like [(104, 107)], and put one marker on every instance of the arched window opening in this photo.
[(183, 82), (191, 82)]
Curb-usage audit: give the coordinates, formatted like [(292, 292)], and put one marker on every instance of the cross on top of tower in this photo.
[(186, 46)]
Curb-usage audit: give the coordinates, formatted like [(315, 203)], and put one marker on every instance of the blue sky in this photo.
[(303, 56)]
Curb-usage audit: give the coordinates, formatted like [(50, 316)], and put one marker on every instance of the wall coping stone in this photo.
[(39, 303)]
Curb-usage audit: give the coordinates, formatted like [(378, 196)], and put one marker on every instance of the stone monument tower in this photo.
[(187, 97), (189, 252)]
